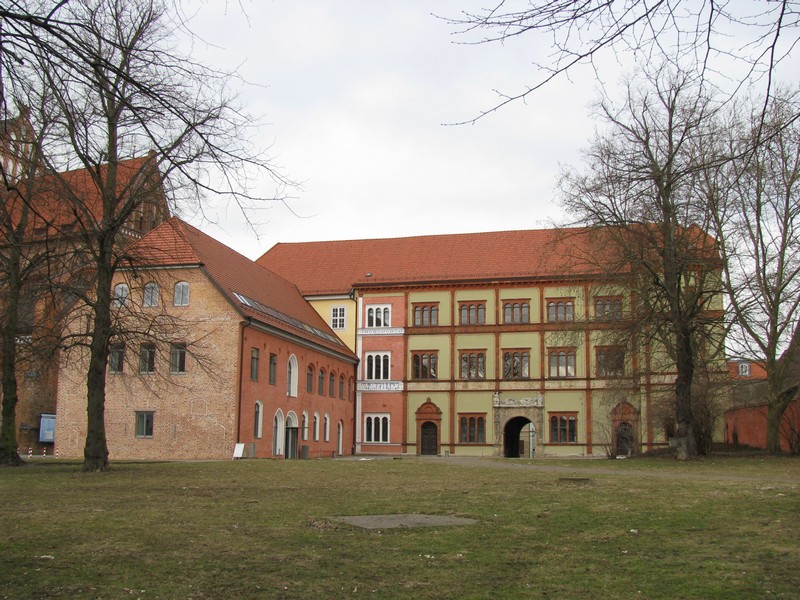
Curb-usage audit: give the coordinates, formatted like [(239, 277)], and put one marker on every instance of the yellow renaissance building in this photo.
[(488, 344)]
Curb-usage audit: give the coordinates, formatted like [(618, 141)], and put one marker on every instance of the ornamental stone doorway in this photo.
[(519, 438), (516, 422), (624, 427), (429, 443), (429, 423)]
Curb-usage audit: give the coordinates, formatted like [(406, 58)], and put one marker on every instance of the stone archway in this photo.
[(517, 444), (511, 416), (624, 429), (429, 426)]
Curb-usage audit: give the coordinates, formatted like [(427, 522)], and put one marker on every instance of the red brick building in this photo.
[(746, 423), (212, 351), (63, 209)]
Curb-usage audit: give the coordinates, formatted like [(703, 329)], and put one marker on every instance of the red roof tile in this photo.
[(54, 213), (320, 268), (253, 290)]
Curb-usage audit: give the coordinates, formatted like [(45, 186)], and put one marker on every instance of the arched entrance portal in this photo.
[(292, 436), (429, 423), (624, 439), (516, 421), (625, 425), (429, 439), (519, 438)]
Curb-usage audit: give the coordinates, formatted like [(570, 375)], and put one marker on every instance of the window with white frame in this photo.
[(744, 369), (376, 428), (150, 294), (327, 428), (292, 376), (278, 433), (338, 317), (379, 315), (258, 419), (181, 296), (120, 295), (304, 426), (177, 358), (144, 424), (377, 366), (316, 426), (147, 358)]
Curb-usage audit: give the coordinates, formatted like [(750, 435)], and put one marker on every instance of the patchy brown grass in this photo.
[(246, 529)]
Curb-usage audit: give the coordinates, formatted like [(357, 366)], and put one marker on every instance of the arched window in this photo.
[(120, 295), (327, 428), (258, 420), (332, 385), (181, 296), (341, 387), (321, 383), (560, 310), (304, 426), (310, 378), (278, 434), (378, 316), (316, 426), (292, 375), (377, 366), (151, 294), (376, 428)]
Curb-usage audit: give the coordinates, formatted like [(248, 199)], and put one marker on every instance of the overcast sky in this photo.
[(356, 96)]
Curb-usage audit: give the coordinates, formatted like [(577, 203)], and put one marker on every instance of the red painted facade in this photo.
[(747, 426)]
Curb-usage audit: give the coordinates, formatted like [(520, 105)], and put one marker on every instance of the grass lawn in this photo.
[(645, 528)]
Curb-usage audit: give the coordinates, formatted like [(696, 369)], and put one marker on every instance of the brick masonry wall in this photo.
[(194, 414), (274, 397), (750, 425)]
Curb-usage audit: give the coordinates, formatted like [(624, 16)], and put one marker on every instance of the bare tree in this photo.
[(121, 90), (732, 45), (639, 191), (16, 265), (756, 209)]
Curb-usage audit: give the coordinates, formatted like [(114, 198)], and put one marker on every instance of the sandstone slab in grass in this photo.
[(410, 520)]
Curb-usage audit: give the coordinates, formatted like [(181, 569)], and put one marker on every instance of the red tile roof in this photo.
[(254, 291), (54, 213), (320, 268)]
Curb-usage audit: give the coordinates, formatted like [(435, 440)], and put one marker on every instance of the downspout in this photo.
[(359, 351)]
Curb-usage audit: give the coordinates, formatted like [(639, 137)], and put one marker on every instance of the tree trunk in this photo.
[(777, 403), (8, 429), (95, 452), (683, 394)]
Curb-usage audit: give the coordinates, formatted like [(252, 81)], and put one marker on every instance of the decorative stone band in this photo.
[(379, 386), (535, 402), (381, 331)]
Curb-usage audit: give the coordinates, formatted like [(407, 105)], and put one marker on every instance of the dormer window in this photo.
[(744, 369)]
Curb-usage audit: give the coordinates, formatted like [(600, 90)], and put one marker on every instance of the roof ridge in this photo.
[(574, 229)]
